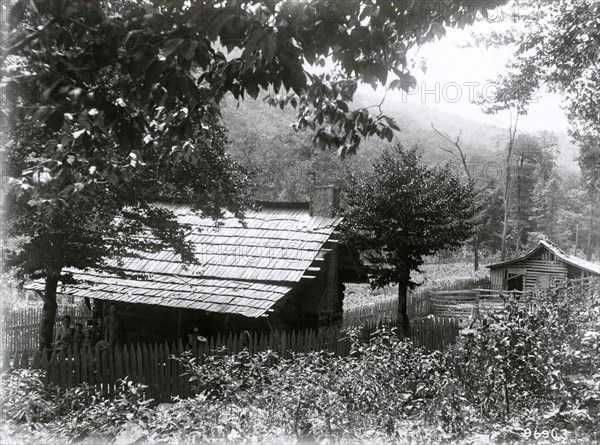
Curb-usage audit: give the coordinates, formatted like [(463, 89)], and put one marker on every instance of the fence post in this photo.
[(69, 366), (35, 361), (93, 368), (477, 307), (168, 376), (77, 367), (118, 362), (24, 360)]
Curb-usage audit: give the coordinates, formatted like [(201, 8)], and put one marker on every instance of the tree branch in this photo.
[(461, 154), (26, 40)]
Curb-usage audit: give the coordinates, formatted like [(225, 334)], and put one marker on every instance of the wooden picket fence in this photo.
[(154, 365), (386, 311), (434, 333), (150, 365), (21, 326)]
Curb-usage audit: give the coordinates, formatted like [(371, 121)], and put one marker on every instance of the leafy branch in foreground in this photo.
[(120, 97)]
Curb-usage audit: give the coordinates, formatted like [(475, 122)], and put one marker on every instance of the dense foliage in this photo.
[(547, 196), (557, 49), (108, 99), (512, 375)]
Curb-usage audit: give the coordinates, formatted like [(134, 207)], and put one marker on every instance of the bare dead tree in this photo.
[(460, 154), (456, 143)]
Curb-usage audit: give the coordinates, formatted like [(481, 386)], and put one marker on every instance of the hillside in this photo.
[(483, 142)]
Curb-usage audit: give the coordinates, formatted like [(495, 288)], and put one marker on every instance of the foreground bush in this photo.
[(518, 374)]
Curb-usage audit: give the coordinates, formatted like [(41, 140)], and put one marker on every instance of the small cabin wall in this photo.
[(497, 278), (536, 272), (541, 274), (321, 299), (150, 323)]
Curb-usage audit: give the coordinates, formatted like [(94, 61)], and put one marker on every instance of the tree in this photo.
[(125, 93), (534, 166), (507, 96), (589, 160), (97, 228), (462, 155), (403, 211), (557, 48)]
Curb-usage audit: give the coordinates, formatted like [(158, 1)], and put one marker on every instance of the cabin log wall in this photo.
[(539, 274)]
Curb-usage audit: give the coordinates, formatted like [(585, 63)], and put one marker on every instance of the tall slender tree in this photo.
[(462, 155)]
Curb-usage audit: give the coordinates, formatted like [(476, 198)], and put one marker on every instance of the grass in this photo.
[(432, 276)]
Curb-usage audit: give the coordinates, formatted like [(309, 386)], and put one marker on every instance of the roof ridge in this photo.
[(568, 258)]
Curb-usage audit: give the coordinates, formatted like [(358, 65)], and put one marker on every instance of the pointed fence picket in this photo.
[(156, 366), (21, 326)]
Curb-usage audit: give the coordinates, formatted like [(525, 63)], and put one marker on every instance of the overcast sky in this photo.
[(456, 74)]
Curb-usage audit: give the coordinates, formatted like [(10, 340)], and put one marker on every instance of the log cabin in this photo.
[(539, 268), (282, 268)]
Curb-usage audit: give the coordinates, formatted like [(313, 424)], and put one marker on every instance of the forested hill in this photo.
[(254, 126)]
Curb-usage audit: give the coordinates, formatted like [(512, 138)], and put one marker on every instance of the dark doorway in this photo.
[(514, 282)]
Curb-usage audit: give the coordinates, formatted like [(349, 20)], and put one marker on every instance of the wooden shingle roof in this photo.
[(241, 270), (567, 258)]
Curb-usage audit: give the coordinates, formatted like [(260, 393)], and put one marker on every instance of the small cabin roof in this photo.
[(565, 257), (243, 267)]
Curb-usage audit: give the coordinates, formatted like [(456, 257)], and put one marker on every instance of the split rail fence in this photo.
[(460, 304), (418, 304)]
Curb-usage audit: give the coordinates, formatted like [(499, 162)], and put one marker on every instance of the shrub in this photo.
[(518, 372), (25, 398)]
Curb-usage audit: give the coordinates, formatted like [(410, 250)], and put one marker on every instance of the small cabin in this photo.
[(538, 269), (283, 267)]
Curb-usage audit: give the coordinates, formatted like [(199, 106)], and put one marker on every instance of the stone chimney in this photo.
[(325, 201)]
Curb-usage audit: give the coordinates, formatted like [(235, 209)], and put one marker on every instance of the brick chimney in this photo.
[(325, 201)]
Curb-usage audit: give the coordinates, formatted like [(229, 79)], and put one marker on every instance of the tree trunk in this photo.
[(403, 321), (476, 251), (512, 131), (588, 249), (48, 311), (505, 221), (553, 193), (518, 228)]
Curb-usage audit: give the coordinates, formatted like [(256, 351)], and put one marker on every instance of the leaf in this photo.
[(214, 28), (170, 47), (55, 120), (130, 433), (439, 30), (408, 82), (269, 45), (77, 134), (252, 90), (188, 50)]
